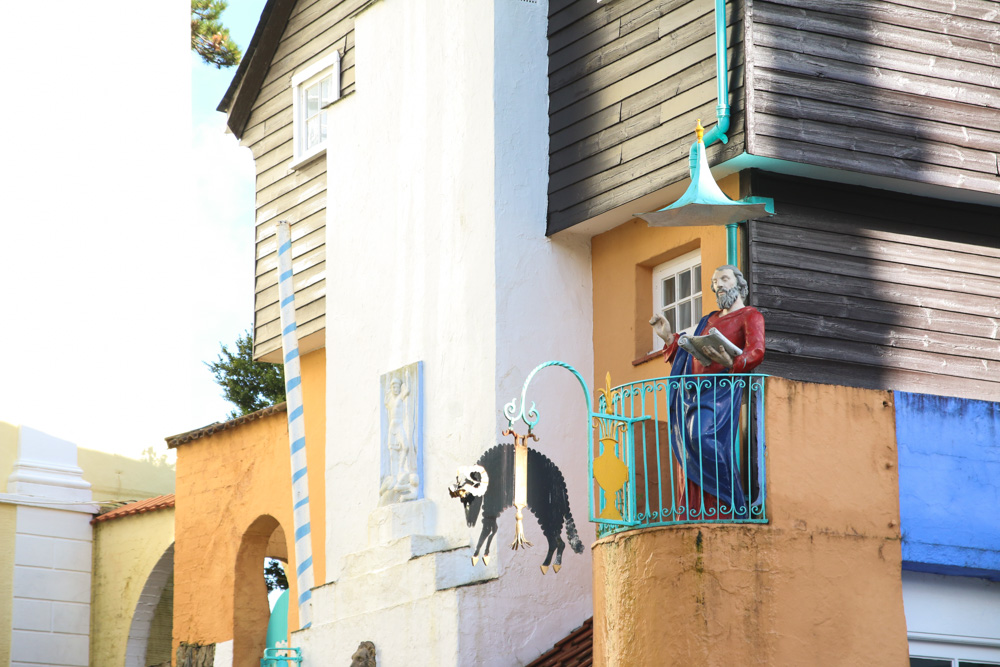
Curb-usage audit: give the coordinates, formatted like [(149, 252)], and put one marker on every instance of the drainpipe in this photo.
[(718, 133), (296, 426)]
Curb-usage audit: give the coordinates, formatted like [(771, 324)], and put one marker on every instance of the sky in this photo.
[(126, 232)]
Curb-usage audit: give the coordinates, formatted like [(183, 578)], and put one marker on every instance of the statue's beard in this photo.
[(727, 297)]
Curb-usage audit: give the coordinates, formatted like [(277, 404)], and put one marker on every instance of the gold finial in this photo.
[(699, 130)]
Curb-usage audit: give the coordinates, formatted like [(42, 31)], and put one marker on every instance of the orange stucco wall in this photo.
[(226, 482), (623, 261), (820, 584)]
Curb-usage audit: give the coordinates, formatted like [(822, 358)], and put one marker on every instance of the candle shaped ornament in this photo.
[(520, 484)]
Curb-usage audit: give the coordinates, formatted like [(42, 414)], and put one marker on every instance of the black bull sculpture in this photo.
[(488, 487)]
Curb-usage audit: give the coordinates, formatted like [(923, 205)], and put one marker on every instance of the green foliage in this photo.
[(274, 575), (249, 385), (209, 38)]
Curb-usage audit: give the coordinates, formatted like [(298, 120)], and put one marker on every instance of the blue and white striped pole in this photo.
[(296, 426)]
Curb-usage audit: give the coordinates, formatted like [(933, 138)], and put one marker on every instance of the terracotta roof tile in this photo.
[(139, 507), (190, 436), (575, 650)]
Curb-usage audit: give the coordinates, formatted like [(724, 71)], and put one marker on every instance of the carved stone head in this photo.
[(364, 656)]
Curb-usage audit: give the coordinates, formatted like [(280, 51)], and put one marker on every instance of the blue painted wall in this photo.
[(949, 484)]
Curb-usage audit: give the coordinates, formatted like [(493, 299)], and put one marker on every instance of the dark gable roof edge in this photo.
[(183, 438), (242, 91)]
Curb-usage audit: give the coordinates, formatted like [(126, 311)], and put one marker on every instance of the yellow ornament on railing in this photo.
[(610, 472)]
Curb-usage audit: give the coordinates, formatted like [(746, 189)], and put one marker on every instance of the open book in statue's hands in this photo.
[(712, 348)]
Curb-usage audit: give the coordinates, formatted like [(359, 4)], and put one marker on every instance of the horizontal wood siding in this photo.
[(873, 289), (905, 89), (627, 80), (314, 29)]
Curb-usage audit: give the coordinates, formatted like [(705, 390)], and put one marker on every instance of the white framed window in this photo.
[(677, 293), (951, 621), (314, 89)]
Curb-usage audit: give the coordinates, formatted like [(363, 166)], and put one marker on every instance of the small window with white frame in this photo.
[(314, 89), (677, 293)]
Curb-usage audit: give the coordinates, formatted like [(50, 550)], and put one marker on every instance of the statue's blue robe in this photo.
[(704, 430)]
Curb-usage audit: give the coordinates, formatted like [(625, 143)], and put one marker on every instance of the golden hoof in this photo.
[(475, 560), (486, 559), (556, 568), (545, 568)]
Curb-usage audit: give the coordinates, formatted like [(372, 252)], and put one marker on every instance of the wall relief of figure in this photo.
[(401, 435)]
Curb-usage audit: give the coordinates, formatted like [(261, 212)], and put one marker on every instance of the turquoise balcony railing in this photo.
[(679, 450), (281, 657)]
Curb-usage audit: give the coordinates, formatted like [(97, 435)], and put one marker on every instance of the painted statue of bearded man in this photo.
[(704, 417)]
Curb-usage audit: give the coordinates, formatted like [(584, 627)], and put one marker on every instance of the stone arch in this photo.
[(142, 628), (264, 538)]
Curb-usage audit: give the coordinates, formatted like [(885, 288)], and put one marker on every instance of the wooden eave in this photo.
[(242, 92)]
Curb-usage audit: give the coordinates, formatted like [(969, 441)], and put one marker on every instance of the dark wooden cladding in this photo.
[(904, 88), (627, 80), (879, 290)]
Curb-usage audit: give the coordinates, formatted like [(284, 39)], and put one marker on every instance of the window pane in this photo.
[(325, 86), (929, 662), (312, 101), (966, 663), (313, 132), (322, 126), (684, 279), (668, 291), (671, 317), (697, 281), (697, 308), (684, 315)]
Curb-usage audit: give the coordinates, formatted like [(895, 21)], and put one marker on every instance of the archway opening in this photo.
[(149, 636), (263, 539)]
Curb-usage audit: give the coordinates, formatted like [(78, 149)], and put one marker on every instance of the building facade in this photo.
[(462, 181)]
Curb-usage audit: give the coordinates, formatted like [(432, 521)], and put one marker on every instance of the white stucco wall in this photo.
[(410, 250), (53, 546), (437, 174), (544, 311)]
